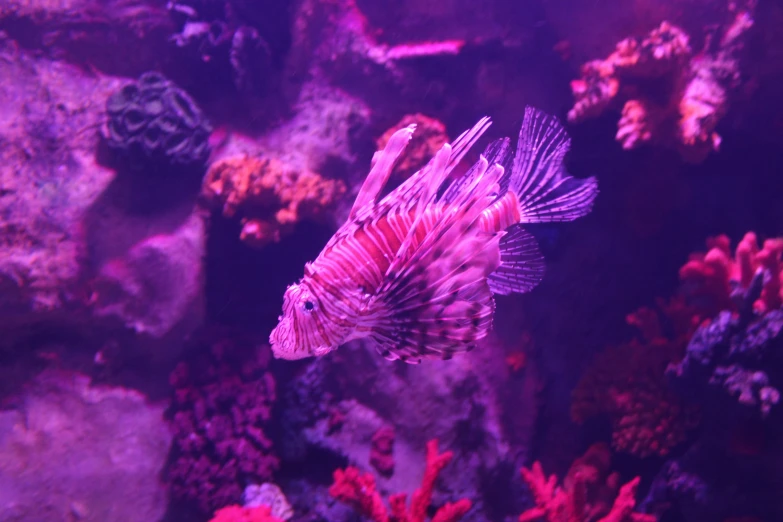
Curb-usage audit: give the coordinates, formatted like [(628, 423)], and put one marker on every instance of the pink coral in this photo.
[(270, 196), (358, 490), (588, 492), (698, 86), (709, 277)]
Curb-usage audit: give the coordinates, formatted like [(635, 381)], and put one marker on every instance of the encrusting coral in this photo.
[(429, 137), (270, 196), (588, 493), (697, 86), (358, 491), (223, 398), (627, 383)]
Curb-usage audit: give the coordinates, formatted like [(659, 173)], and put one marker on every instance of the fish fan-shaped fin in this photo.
[(538, 177), (521, 263), (436, 300)]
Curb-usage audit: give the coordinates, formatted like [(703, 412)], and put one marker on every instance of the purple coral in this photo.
[(222, 403)]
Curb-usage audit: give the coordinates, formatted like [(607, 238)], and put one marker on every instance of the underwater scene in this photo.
[(391, 261)]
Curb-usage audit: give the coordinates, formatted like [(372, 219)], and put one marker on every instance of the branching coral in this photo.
[(711, 279), (669, 95), (244, 514), (222, 402), (429, 137), (270, 196), (589, 493), (627, 383), (358, 490)]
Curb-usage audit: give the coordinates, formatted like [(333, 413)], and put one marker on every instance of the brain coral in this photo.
[(152, 122)]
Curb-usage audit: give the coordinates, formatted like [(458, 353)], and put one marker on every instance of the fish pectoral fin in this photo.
[(435, 300), (521, 263)]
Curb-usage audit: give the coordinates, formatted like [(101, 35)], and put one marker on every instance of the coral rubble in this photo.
[(358, 490), (222, 402), (270, 196), (697, 87), (589, 492)]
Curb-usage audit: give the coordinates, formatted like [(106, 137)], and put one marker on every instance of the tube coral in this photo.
[(358, 491)]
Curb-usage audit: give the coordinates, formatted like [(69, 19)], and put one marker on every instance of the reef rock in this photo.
[(72, 451), (79, 241)]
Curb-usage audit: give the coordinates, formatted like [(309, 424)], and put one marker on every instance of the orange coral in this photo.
[(588, 492), (709, 277), (358, 491), (627, 383), (429, 137), (270, 196), (244, 514), (698, 86)]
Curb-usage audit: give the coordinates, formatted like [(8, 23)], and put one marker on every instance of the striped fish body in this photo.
[(415, 272)]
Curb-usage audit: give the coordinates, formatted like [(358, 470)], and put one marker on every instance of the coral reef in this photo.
[(627, 383), (698, 86), (733, 367), (270, 196), (222, 401), (154, 125), (357, 490), (67, 447), (589, 492), (429, 137), (244, 514)]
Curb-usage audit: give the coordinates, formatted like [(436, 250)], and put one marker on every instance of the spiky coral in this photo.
[(429, 137), (244, 514), (698, 86), (588, 492), (270, 196), (711, 278), (358, 491)]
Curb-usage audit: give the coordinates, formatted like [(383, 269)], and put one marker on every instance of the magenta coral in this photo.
[(222, 402), (244, 514), (589, 492), (358, 490), (709, 277)]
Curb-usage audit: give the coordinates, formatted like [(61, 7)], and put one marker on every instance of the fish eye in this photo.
[(309, 306)]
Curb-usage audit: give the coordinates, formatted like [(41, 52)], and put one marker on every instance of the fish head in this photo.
[(300, 331)]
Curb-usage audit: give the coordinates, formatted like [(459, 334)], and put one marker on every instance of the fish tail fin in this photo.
[(538, 177)]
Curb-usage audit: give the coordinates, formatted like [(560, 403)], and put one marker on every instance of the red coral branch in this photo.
[(358, 491), (244, 514), (586, 494)]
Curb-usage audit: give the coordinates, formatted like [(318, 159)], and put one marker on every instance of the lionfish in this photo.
[(415, 272)]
